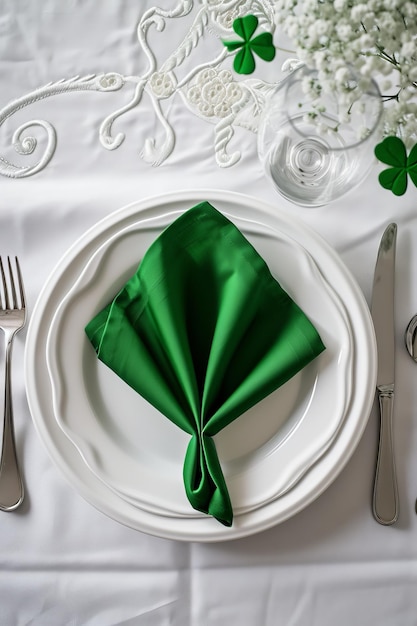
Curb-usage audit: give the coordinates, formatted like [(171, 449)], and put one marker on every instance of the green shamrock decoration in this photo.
[(262, 45), (392, 151)]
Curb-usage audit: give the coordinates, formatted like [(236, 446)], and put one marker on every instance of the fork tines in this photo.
[(9, 297)]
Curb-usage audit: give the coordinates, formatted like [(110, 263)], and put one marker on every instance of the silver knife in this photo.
[(385, 496)]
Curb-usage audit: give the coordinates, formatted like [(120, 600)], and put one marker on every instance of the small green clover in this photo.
[(262, 45), (392, 151)]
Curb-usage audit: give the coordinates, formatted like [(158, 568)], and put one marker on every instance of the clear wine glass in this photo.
[(316, 147)]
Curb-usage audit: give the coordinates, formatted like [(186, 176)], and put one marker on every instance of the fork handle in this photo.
[(11, 485)]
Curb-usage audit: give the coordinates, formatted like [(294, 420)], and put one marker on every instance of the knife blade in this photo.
[(385, 493)]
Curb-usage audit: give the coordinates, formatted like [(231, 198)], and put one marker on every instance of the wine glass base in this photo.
[(305, 171)]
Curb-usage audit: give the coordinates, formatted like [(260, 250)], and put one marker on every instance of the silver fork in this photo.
[(12, 319)]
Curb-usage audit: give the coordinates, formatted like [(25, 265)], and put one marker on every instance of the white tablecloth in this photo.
[(61, 561)]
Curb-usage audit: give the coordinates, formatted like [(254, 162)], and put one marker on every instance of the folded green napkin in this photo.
[(203, 332)]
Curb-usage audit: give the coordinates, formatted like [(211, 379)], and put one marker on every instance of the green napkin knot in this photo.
[(204, 481), (203, 332)]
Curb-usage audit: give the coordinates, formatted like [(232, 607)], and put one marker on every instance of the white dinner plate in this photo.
[(185, 527), (138, 452)]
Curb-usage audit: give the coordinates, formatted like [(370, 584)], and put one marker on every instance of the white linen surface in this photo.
[(61, 561)]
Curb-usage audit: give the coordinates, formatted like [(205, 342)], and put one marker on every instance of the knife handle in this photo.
[(385, 498)]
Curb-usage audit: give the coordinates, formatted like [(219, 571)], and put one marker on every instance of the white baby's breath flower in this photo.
[(320, 59), (342, 74), (408, 49), (344, 31), (405, 95), (363, 132), (357, 13), (377, 38), (364, 42), (323, 129)]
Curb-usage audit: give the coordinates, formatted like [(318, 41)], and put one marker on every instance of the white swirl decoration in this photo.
[(26, 145), (210, 91)]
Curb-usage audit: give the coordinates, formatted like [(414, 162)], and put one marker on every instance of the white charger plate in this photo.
[(138, 452), (67, 456)]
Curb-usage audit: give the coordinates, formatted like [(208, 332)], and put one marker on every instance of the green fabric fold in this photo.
[(203, 332)]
